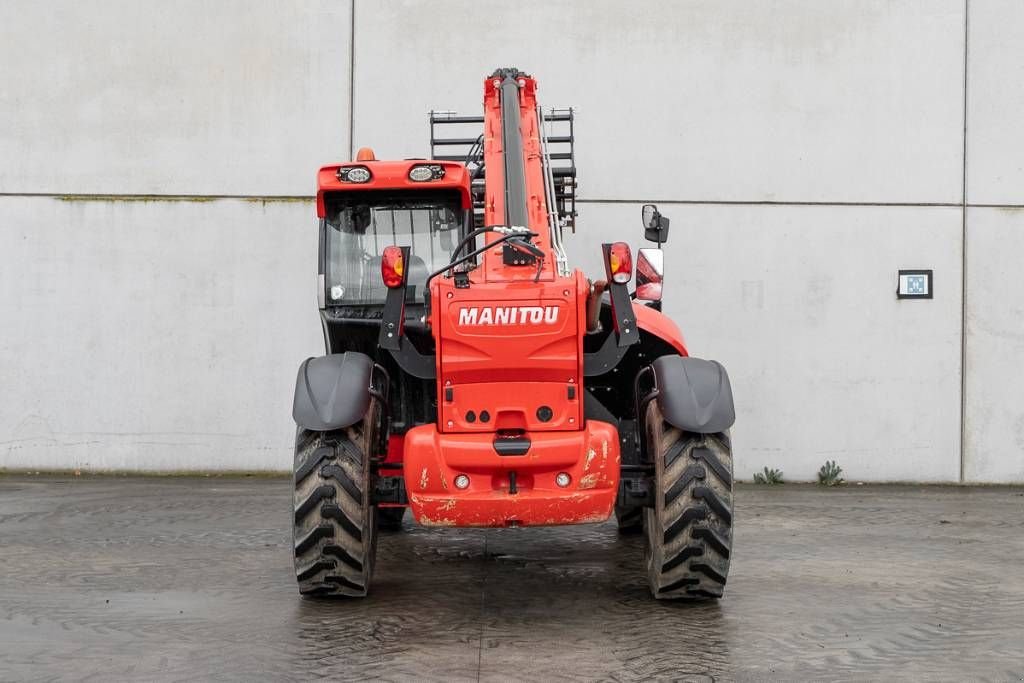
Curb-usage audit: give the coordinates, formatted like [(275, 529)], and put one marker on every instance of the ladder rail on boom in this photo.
[(554, 219), (466, 146)]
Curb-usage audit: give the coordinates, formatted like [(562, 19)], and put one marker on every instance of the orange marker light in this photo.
[(620, 262), (392, 267)]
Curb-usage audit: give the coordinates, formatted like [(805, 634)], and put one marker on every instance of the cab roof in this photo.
[(392, 175)]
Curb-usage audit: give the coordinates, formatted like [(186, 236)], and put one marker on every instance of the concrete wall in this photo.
[(237, 97), (153, 335), (805, 151), (994, 349)]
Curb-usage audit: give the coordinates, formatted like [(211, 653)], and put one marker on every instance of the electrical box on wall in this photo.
[(914, 284)]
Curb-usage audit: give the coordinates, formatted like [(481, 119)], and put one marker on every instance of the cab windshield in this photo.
[(358, 226)]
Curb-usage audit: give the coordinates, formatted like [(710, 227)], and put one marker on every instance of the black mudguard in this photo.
[(694, 394), (332, 392)]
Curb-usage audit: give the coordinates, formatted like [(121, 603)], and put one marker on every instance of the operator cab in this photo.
[(367, 205), (359, 225)]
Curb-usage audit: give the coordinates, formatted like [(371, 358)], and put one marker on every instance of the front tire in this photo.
[(689, 530), (335, 522)]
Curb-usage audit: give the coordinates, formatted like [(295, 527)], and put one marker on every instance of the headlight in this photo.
[(353, 174), (422, 174)]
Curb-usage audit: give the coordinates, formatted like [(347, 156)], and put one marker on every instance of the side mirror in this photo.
[(650, 269), (655, 225)]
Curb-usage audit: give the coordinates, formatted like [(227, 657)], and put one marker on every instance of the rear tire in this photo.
[(335, 522), (390, 519), (689, 530), (630, 518)]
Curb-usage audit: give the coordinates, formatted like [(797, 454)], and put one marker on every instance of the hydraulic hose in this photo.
[(471, 236), (456, 261)]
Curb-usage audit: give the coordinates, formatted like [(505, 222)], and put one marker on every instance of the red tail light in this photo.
[(620, 263), (392, 267)]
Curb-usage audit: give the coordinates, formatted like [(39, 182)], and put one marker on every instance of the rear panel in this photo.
[(513, 358)]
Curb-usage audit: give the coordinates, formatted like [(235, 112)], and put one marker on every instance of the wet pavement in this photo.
[(113, 578)]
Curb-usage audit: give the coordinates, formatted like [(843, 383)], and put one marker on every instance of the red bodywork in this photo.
[(392, 175), (509, 365), (513, 371)]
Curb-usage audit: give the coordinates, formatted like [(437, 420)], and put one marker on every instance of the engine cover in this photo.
[(510, 355)]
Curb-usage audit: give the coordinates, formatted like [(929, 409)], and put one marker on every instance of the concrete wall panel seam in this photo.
[(963, 251)]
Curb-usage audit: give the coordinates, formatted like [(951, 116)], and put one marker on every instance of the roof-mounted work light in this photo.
[(354, 174)]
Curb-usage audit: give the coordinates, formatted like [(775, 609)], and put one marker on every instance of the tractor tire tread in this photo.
[(689, 529), (334, 521), (311, 463)]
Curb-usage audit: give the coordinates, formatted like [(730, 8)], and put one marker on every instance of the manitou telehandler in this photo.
[(473, 378)]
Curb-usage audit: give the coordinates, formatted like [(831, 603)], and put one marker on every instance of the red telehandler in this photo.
[(473, 378)]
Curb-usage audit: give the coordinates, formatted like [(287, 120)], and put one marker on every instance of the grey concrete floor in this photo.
[(110, 578)]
